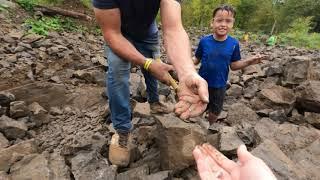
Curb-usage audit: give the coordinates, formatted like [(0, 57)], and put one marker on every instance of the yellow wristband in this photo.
[(147, 64)]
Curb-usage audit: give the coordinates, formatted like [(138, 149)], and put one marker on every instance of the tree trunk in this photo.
[(51, 11)]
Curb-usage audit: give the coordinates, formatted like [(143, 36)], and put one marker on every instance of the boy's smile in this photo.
[(222, 24)]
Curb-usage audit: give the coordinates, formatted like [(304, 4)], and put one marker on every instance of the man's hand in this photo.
[(160, 71), (193, 96), (256, 59), (213, 165)]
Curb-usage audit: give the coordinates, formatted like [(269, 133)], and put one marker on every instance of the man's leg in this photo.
[(152, 51), (119, 103), (119, 92)]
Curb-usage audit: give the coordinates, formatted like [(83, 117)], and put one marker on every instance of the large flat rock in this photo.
[(177, 140), (280, 164)]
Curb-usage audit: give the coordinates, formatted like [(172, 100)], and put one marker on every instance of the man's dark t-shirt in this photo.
[(137, 16)]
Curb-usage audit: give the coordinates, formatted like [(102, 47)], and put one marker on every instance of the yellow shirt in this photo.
[(246, 37)]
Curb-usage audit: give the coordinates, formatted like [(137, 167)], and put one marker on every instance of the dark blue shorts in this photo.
[(216, 98)]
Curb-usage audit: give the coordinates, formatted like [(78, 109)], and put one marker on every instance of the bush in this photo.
[(86, 3), (27, 4), (50, 2), (3, 7), (298, 35), (45, 24)]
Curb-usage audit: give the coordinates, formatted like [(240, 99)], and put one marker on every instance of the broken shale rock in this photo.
[(308, 95), (91, 165), (279, 163), (12, 129), (177, 140), (43, 166), (10, 155)]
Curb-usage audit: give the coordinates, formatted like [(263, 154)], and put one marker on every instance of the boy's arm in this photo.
[(244, 63)]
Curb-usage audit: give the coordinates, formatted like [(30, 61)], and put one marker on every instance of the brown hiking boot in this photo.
[(119, 149), (159, 108)]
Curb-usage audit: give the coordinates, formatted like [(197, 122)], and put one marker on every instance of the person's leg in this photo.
[(216, 98), (212, 117), (118, 91), (150, 50), (119, 104)]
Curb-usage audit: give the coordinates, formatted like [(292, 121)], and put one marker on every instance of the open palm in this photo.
[(193, 96), (214, 165)]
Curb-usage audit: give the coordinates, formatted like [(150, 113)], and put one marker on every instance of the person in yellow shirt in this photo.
[(246, 38)]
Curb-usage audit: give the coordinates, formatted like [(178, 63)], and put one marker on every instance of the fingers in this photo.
[(192, 99), (264, 56), (245, 157), (169, 67), (197, 109), (220, 159), (166, 76), (207, 167), (201, 87), (203, 90), (161, 71), (192, 111), (260, 57), (181, 107), (185, 115), (243, 154), (190, 106)]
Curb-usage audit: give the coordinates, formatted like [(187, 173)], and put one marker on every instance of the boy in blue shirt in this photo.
[(217, 52)]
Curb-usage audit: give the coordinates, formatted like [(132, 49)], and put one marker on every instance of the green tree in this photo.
[(294, 9)]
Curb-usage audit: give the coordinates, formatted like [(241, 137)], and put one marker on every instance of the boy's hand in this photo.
[(256, 59)]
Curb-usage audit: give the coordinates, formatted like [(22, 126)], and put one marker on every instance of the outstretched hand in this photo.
[(257, 59), (193, 96), (213, 165)]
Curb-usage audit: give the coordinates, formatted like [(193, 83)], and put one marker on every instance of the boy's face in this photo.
[(222, 23)]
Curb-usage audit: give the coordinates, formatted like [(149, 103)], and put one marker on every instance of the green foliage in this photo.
[(255, 15), (86, 3), (293, 9), (97, 31), (49, 2), (301, 26), (244, 12), (45, 24), (27, 4), (3, 7), (197, 12), (257, 38), (298, 34)]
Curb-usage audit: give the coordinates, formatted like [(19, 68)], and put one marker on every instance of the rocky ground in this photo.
[(55, 124)]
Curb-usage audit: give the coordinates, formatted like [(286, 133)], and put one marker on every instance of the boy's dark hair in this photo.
[(224, 7)]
